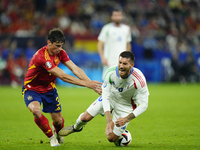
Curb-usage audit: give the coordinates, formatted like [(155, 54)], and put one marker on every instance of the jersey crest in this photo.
[(48, 64)]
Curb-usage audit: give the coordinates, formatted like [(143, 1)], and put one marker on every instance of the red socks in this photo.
[(58, 127), (43, 124)]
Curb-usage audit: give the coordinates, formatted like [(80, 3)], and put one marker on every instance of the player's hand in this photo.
[(121, 121), (109, 127), (96, 86), (104, 61)]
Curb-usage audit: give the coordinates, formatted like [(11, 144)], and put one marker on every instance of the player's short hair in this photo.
[(128, 54), (116, 9), (56, 35)]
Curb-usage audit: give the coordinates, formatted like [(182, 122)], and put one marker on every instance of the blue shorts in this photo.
[(50, 100)]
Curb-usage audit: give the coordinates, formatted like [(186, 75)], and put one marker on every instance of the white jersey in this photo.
[(128, 95), (115, 41)]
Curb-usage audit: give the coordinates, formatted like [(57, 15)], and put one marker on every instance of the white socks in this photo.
[(79, 123)]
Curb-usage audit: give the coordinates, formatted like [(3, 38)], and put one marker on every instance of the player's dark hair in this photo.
[(128, 54), (56, 35), (115, 9)]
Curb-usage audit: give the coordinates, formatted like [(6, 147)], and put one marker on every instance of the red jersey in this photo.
[(38, 78)]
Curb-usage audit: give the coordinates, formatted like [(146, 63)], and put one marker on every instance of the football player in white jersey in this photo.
[(124, 93), (114, 38)]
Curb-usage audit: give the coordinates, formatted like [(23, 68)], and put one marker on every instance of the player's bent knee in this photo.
[(112, 137), (86, 117)]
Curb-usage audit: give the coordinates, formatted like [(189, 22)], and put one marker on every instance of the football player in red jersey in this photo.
[(39, 84)]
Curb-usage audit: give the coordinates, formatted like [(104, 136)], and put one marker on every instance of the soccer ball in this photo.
[(124, 140)]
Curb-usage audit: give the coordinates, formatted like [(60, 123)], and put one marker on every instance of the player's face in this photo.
[(117, 17), (124, 67), (54, 48)]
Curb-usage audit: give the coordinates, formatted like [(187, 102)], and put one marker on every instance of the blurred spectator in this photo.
[(22, 65), (175, 64), (30, 50), (22, 32), (64, 21), (2, 68), (135, 31), (150, 42), (4, 48), (77, 28), (10, 70), (186, 71), (15, 70), (14, 49), (172, 39), (189, 71)]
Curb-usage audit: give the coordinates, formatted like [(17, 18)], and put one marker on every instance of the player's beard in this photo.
[(123, 74), (117, 22)]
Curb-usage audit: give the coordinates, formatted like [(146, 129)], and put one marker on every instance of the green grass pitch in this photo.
[(171, 122)]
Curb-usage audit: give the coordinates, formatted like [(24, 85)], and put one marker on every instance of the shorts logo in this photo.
[(100, 98), (48, 64), (30, 98), (104, 84), (123, 128)]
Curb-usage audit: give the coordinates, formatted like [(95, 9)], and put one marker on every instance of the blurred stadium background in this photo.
[(165, 35)]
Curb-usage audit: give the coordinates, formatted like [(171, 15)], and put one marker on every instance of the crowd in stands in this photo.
[(159, 25)]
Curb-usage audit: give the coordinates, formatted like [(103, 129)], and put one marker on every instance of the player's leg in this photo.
[(58, 124), (42, 122), (33, 101), (94, 109), (58, 121), (82, 120), (112, 137), (35, 109), (117, 131), (51, 105)]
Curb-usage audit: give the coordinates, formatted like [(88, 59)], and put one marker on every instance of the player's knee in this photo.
[(110, 139), (85, 117), (36, 112), (57, 121)]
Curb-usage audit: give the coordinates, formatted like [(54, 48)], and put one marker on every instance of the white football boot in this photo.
[(58, 137), (54, 141)]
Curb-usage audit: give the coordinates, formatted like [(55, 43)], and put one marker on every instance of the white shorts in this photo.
[(97, 108)]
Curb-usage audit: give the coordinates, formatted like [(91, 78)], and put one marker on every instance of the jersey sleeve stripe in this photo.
[(134, 106), (110, 69), (134, 84), (135, 74)]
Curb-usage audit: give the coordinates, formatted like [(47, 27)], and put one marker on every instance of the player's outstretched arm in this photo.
[(77, 71), (95, 85)]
